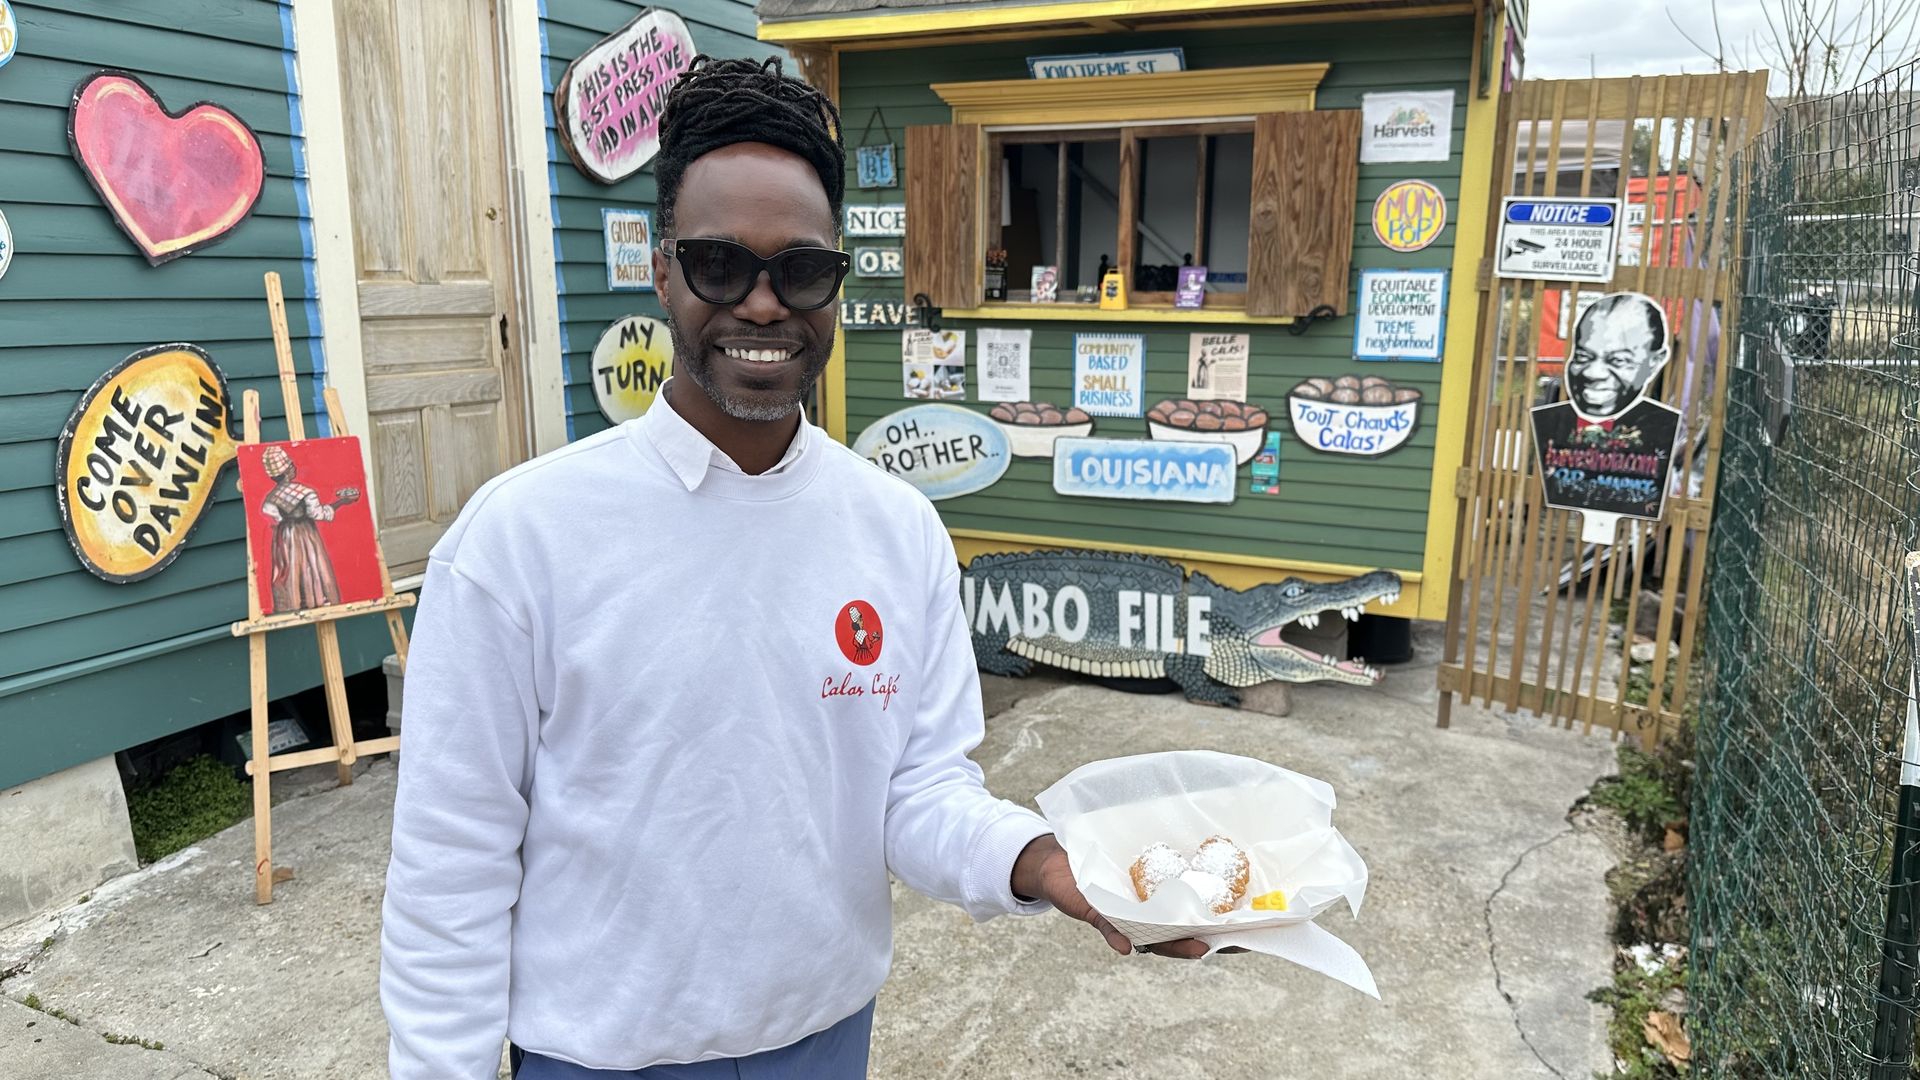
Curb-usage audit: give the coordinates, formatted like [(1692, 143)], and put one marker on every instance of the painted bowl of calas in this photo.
[(1353, 415), (1031, 426), (1238, 424)]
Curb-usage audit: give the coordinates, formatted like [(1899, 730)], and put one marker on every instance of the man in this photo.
[(1618, 346), (683, 694), (1605, 449)]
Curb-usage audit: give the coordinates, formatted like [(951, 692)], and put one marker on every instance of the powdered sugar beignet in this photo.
[(1155, 865), (1223, 859)]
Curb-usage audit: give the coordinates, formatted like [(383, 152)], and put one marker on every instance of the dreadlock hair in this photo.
[(717, 103)]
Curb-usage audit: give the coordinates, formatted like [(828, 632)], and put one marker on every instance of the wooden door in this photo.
[(445, 396)]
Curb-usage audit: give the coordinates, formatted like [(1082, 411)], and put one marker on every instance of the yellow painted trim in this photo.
[(833, 394), (1463, 310), (985, 17), (1090, 313), (1238, 571), (1203, 22), (1173, 95)]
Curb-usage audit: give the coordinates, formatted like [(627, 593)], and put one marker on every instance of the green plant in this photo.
[(1644, 793), (1635, 993), (190, 803), (133, 1040)]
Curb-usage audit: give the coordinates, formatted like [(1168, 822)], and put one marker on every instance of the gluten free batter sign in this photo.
[(607, 105)]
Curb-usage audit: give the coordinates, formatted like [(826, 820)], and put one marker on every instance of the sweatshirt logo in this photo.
[(857, 630)]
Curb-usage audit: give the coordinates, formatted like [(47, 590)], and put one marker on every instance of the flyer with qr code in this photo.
[(1005, 364)]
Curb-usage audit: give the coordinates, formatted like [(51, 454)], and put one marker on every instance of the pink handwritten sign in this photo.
[(608, 103)]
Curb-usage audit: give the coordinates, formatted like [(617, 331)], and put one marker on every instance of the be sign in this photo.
[(1558, 239), (878, 262)]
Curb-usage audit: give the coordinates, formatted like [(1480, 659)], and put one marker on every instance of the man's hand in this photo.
[(1041, 873)]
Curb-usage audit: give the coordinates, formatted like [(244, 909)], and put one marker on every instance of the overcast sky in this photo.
[(1573, 38)]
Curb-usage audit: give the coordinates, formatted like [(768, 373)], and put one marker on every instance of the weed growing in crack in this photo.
[(32, 1001), (1636, 993), (133, 1040)]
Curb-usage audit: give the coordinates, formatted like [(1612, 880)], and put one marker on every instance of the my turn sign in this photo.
[(1557, 239)]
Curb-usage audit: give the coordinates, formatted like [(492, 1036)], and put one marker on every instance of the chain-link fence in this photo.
[(1802, 930)]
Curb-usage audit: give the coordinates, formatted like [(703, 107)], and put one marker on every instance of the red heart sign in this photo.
[(175, 182)]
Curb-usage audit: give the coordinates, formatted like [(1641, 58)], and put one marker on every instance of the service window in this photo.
[(1267, 205)]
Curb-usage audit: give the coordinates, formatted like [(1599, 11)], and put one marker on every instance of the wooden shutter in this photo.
[(1306, 172), (945, 252)]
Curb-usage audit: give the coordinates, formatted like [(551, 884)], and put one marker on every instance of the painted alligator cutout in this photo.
[(1136, 616)]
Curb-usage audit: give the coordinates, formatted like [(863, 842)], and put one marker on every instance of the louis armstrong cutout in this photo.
[(1607, 450)]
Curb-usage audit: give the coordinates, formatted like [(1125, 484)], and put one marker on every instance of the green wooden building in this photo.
[(1232, 140)]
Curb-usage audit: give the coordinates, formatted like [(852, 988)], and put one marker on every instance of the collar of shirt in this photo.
[(690, 454)]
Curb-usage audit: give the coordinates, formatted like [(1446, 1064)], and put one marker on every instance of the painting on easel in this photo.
[(308, 529)]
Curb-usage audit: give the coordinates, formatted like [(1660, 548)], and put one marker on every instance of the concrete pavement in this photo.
[(1485, 924)]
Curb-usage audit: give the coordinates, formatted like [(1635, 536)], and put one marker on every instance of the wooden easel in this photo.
[(344, 751)]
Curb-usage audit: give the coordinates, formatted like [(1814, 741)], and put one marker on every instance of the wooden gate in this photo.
[(1538, 618)]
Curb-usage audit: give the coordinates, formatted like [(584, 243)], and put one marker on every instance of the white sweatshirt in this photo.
[(655, 777)]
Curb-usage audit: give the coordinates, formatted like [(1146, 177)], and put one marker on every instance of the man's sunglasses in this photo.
[(722, 272)]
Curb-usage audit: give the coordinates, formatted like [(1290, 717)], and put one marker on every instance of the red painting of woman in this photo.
[(303, 575)]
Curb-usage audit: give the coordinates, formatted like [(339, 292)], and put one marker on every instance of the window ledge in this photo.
[(1091, 313)]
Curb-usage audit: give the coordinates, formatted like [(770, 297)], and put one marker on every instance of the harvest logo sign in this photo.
[(1407, 126), (138, 458)]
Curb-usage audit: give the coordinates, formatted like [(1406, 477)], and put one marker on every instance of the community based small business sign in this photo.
[(886, 219), (1546, 238), (944, 450), (629, 240), (1150, 469), (1094, 65), (1402, 315), (1109, 373)]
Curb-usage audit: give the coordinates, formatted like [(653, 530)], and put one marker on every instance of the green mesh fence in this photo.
[(1797, 796)]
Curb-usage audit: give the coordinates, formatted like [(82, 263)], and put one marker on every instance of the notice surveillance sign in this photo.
[(1557, 239)]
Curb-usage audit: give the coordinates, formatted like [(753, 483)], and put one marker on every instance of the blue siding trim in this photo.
[(316, 348), (553, 209)]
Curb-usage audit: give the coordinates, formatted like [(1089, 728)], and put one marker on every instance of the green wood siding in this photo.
[(568, 28), (87, 668), (1331, 508)]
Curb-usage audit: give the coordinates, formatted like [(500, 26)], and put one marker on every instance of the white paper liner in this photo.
[(1107, 812)]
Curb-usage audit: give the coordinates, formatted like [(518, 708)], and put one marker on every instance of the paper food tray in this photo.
[(1107, 812)]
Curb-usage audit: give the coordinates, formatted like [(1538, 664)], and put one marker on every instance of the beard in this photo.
[(761, 400)]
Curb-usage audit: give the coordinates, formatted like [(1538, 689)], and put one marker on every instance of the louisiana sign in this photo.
[(1151, 469), (1557, 239)]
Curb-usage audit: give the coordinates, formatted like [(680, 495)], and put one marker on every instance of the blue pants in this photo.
[(838, 1053)]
